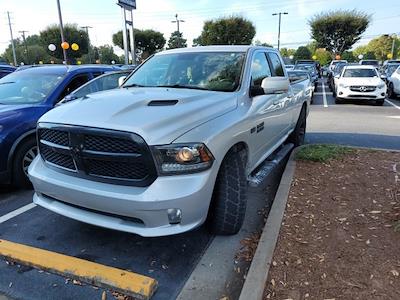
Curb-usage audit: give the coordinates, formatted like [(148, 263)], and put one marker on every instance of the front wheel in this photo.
[(299, 133), (228, 205), (25, 154)]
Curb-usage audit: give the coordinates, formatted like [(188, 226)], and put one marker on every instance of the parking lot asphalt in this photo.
[(181, 263)]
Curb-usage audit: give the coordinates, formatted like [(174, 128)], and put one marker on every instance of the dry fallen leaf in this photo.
[(394, 273), (76, 282), (104, 295)]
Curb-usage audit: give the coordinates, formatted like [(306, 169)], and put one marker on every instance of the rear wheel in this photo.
[(23, 157), (299, 133), (228, 206)]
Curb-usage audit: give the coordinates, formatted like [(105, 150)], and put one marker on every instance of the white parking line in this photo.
[(391, 103), (324, 95), (16, 212)]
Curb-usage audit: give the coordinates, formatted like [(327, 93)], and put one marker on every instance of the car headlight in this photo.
[(182, 158), (381, 86)]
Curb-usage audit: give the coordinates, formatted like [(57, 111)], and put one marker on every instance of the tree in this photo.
[(338, 31), (176, 41), (147, 42), (285, 52), (51, 35), (33, 53), (382, 46), (232, 30), (323, 56), (312, 46), (302, 53), (107, 55), (349, 56), (259, 43)]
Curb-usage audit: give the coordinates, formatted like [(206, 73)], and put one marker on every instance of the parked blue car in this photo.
[(25, 95), (6, 69)]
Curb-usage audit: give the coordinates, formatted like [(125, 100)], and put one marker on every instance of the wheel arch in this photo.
[(18, 142)]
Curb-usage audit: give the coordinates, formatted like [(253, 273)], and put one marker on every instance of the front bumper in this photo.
[(140, 210), (346, 93)]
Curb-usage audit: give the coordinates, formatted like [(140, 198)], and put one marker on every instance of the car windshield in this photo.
[(309, 68), (370, 62), (338, 69), (216, 71), (390, 69), (360, 73), (27, 88)]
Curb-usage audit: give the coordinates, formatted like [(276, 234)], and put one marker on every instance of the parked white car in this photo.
[(394, 84), (175, 146), (360, 82)]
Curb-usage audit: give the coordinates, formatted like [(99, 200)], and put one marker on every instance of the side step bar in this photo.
[(266, 168)]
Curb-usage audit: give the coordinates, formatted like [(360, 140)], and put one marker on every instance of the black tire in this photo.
[(20, 163), (380, 102), (298, 135), (228, 205), (390, 92)]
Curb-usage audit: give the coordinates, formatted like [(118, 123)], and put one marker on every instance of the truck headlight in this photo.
[(182, 158)]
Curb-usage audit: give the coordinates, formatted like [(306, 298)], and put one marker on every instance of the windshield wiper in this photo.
[(7, 82), (133, 85), (179, 86)]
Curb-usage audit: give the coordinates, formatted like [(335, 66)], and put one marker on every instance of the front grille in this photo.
[(110, 144), (362, 88), (59, 159), (54, 136), (101, 155)]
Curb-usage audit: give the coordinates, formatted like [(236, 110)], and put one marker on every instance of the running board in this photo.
[(269, 165)]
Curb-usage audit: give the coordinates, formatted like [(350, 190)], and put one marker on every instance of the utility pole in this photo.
[(25, 46), (86, 28), (177, 21), (12, 40), (61, 30), (279, 28)]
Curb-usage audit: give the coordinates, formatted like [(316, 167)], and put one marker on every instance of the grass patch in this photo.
[(322, 153)]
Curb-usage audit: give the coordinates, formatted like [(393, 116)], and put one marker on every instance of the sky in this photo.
[(105, 17)]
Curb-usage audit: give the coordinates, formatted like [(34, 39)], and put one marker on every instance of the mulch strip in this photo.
[(338, 237)]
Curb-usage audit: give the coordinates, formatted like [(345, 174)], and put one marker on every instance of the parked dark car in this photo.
[(5, 70), (311, 69), (108, 81), (25, 96), (387, 70)]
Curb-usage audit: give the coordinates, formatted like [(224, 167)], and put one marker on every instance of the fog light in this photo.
[(340, 93), (174, 215), (383, 94)]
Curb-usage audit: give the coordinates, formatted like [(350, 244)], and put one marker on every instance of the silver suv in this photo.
[(172, 148)]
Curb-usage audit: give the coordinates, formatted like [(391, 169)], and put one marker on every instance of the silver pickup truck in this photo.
[(174, 147)]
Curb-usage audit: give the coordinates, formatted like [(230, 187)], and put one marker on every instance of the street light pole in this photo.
[(86, 28), (279, 26), (61, 30), (12, 40), (177, 21)]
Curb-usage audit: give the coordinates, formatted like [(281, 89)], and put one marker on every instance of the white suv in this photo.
[(394, 84), (360, 82)]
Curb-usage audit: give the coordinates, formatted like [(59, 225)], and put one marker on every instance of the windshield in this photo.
[(309, 68), (338, 69), (27, 88), (390, 69), (216, 71), (370, 62), (360, 73)]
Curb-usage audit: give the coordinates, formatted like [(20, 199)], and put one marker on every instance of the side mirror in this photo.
[(383, 76), (275, 85), (337, 76), (70, 97), (121, 80)]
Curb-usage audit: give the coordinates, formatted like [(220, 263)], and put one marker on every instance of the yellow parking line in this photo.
[(132, 284)]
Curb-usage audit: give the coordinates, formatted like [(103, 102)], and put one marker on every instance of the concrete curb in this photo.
[(254, 285)]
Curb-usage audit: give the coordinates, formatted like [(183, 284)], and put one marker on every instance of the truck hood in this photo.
[(129, 110), (361, 81)]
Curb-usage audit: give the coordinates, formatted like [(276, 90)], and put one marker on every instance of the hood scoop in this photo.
[(163, 102)]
